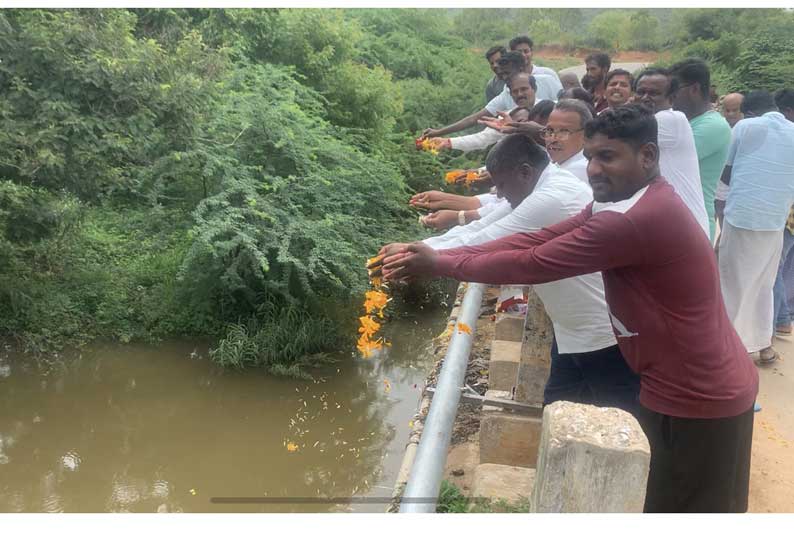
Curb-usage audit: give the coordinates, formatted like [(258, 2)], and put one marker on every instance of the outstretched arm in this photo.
[(577, 246), (462, 124)]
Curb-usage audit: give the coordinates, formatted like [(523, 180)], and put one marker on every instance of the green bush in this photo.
[(211, 172)]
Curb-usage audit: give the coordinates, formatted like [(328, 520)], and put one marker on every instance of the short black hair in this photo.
[(635, 124), (541, 110), (512, 151), (583, 109), (758, 102), (693, 70), (601, 59), (578, 93), (514, 60), (532, 82), (617, 72), (518, 40), (493, 50), (672, 83), (785, 98)]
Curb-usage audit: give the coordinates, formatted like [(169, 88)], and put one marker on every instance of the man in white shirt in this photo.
[(678, 158), (521, 91), (549, 84), (509, 65), (587, 365), (563, 134)]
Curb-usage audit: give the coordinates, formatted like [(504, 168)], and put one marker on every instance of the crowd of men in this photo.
[(607, 195)]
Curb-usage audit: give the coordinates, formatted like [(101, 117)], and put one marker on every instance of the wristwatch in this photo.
[(462, 218)]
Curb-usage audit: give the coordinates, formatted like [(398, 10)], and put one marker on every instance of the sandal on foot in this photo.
[(768, 356)]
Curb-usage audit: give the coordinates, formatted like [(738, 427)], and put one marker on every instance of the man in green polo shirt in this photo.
[(711, 130)]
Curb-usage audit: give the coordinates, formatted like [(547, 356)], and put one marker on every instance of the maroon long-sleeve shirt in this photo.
[(662, 289)]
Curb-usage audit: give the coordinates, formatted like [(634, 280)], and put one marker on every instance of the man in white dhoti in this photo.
[(760, 173)]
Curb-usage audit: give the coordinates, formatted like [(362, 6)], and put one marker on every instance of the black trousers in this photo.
[(601, 378), (698, 465)]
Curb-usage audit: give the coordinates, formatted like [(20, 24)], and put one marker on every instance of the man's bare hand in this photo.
[(391, 249), (441, 220), (432, 200), (375, 265), (431, 132), (416, 260), (498, 122)]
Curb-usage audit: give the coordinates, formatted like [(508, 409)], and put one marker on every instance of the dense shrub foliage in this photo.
[(225, 172), (212, 172)]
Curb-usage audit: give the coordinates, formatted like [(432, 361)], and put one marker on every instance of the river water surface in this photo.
[(131, 428)]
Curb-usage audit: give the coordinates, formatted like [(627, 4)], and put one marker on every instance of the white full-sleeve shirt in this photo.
[(575, 305), (577, 164), (476, 141), (678, 162)]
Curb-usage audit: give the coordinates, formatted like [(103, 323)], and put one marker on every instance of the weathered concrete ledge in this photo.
[(591, 459), (577, 458)]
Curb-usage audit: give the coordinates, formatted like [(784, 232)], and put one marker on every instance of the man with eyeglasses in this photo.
[(564, 136), (678, 158), (586, 364)]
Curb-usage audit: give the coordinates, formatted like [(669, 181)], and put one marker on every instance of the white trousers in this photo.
[(748, 262)]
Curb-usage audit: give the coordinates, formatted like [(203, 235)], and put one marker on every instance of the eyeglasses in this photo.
[(562, 134)]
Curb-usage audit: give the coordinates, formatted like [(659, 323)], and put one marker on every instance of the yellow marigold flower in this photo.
[(366, 346), (292, 447), (368, 326), (463, 328), (452, 176), (375, 301)]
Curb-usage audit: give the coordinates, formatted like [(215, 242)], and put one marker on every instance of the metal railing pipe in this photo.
[(424, 482)]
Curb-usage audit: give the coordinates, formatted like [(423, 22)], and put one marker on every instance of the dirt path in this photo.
[(628, 66), (621, 56), (772, 469)]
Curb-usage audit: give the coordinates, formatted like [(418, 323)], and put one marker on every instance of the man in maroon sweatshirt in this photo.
[(698, 384)]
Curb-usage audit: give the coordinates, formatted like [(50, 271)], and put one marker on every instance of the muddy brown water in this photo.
[(137, 428)]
